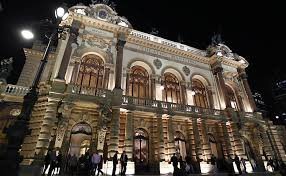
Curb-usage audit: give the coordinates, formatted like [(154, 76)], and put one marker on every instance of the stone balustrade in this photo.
[(76, 89), (14, 90), (170, 107)]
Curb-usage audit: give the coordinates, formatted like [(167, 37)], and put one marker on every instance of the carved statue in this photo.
[(216, 39), (5, 69)]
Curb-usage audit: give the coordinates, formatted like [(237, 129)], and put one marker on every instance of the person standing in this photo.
[(237, 163), (174, 161), (123, 162), (59, 163), (213, 163), (73, 165), (115, 162), (47, 161), (53, 162)]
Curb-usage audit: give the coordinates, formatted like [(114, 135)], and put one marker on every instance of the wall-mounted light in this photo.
[(277, 117)]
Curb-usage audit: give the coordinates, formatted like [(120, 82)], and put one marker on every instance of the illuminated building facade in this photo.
[(108, 87)]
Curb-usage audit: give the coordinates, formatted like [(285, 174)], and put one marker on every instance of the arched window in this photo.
[(200, 94), (91, 72), (139, 82), (180, 145), (232, 98), (171, 92)]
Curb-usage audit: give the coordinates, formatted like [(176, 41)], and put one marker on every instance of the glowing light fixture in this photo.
[(27, 34)]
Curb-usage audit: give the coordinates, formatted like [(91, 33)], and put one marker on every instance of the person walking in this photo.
[(237, 163), (115, 162), (95, 160), (242, 160), (123, 162), (99, 167), (270, 164), (47, 161)]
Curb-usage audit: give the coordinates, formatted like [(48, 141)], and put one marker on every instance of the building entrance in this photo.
[(80, 139), (141, 151)]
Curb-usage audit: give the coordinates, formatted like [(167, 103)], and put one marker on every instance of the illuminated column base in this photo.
[(166, 168), (108, 166), (206, 168)]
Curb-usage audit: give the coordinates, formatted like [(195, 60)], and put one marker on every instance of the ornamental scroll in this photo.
[(64, 112), (105, 119)]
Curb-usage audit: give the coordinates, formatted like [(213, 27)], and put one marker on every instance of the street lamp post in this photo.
[(9, 163)]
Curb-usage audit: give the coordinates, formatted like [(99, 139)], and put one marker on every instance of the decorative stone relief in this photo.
[(186, 70), (157, 63), (15, 112)]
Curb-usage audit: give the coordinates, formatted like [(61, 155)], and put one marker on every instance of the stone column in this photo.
[(210, 96), (106, 78), (71, 46), (217, 72), (183, 93), (189, 128), (243, 78), (171, 141), (129, 129), (47, 125), (228, 148), (160, 138), (197, 139), (75, 72), (158, 90), (205, 139), (114, 131), (118, 69)]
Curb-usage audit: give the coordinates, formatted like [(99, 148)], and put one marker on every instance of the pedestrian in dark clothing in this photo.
[(53, 162), (123, 161), (59, 163), (100, 166), (115, 162), (47, 161), (270, 164), (237, 163), (213, 163), (242, 160), (174, 161), (73, 165)]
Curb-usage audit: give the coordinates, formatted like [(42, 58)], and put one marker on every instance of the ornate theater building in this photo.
[(108, 87)]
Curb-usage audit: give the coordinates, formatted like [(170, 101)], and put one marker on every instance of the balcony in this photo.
[(13, 92), (169, 108)]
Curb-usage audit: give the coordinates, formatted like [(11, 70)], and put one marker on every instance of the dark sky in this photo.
[(253, 30)]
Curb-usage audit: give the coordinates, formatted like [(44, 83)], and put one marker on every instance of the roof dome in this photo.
[(101, 12)]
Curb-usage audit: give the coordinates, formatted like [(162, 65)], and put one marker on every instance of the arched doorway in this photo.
[(141, 150), (80, 139), (216, 146), (180, 145)]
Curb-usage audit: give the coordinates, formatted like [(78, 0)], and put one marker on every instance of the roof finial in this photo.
[(216, 39)]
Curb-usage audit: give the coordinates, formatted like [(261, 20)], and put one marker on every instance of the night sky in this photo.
[(255, 31)]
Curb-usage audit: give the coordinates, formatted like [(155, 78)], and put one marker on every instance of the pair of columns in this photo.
[(217, 71)]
